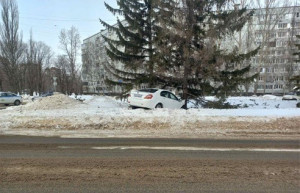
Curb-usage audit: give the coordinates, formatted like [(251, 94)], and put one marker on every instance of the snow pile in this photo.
[(99, 116), (57, 101)]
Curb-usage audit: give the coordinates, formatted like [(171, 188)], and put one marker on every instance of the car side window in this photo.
[(164, 94), (3, 94), (172, 96)]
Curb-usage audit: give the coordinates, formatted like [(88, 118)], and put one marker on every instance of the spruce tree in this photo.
[(134, 44), (193, 54)]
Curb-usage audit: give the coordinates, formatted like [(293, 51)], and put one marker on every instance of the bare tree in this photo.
[(38, 56), (11, 46), (62, 74), (70, 44)]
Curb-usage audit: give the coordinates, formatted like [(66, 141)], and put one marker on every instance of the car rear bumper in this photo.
[(140, 103)]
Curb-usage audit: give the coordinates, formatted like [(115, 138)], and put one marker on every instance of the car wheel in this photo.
[(133, 107), (17, 102), (159, 106)]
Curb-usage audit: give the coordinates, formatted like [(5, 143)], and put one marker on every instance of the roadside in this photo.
[(98, 117)]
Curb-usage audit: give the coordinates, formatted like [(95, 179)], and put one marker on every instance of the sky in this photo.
[(46, 18)]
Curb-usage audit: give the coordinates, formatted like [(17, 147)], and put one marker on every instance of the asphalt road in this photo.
[(37, 164)]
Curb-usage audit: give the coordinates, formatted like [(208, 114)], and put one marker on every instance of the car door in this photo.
[(9, 98), (174, 102), (164, 99), (3, 98)]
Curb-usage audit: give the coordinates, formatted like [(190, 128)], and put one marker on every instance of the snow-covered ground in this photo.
[(99, 116)]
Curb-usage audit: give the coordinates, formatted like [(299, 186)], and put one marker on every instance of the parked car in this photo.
[(42, 96), (7, 98), (154, 98), (292, 96)]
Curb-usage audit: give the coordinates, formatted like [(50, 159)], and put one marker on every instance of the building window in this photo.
[(272, 44), (281, 43), (278, 86), (269, 86), (269, 70), (260, 86), (272, 35), (282, 25), (281, 34)]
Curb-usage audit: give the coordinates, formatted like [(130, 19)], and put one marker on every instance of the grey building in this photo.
[(275, 31)]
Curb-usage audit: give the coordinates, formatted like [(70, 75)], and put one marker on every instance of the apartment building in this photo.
[(274, 30), (95, 66)]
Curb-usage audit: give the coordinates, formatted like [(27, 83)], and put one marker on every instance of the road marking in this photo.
[(196, 149)]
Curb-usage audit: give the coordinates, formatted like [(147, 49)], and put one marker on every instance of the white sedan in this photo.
[(154, 98), (10, 98)]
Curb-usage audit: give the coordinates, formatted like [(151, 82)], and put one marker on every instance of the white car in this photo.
[(10, 98), (292, 96), (154, 98)]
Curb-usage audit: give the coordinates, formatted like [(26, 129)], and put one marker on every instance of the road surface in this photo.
[(38, 164)]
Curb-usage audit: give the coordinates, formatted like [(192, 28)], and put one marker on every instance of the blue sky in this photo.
[(46, 18)]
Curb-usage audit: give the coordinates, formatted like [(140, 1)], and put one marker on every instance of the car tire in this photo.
[(17, 102), (6, 104), (133, 107), (159, 106)]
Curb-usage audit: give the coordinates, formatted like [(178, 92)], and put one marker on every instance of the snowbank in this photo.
[(57, 101), (60, 115)]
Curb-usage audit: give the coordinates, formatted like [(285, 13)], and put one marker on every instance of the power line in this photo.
[(64, 20)]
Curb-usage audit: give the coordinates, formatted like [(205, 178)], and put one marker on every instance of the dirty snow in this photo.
[(100, 116)]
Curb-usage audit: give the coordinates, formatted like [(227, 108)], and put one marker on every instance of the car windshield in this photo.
[(151, 90)]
